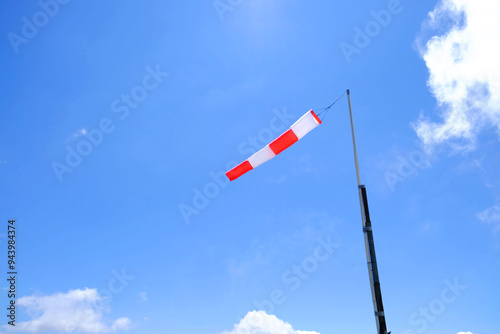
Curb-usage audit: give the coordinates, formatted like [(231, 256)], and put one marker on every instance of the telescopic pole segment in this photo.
[(369, 243), (353, 138)]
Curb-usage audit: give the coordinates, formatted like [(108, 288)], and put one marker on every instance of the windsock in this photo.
[(298, 130)]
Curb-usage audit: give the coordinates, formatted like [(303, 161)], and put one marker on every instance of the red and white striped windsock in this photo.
[(298, 130)]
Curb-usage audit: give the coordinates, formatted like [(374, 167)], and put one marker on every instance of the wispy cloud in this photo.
[(144, 296), (79, 132), (478, 164), (491, 216), (464, 73), (259, 322), (428, 225), (75, 311)]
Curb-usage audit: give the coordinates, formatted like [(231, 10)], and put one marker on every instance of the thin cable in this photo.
[(325, 110)]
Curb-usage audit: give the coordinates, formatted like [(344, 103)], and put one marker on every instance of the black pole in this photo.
[(372, 262), (369, 244)]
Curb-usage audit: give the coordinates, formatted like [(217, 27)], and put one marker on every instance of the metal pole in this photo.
[(369, 243), (353, 138)]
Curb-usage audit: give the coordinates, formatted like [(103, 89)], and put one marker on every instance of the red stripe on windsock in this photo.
[(239, 170), (283, 142), (315, 116)]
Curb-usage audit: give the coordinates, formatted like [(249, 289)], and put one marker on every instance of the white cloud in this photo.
[(491, 216), (465, 333), (80, 132), (121, 324), (464, 72), (74, 311), (258, 322)]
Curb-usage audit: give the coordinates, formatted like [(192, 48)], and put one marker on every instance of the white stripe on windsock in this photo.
[(298, 130), (305, 124), (261, 156)]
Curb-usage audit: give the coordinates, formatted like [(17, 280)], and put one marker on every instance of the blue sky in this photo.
[(119, 120)]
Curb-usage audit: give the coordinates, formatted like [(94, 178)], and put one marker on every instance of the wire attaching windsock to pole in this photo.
[(298, 130)]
